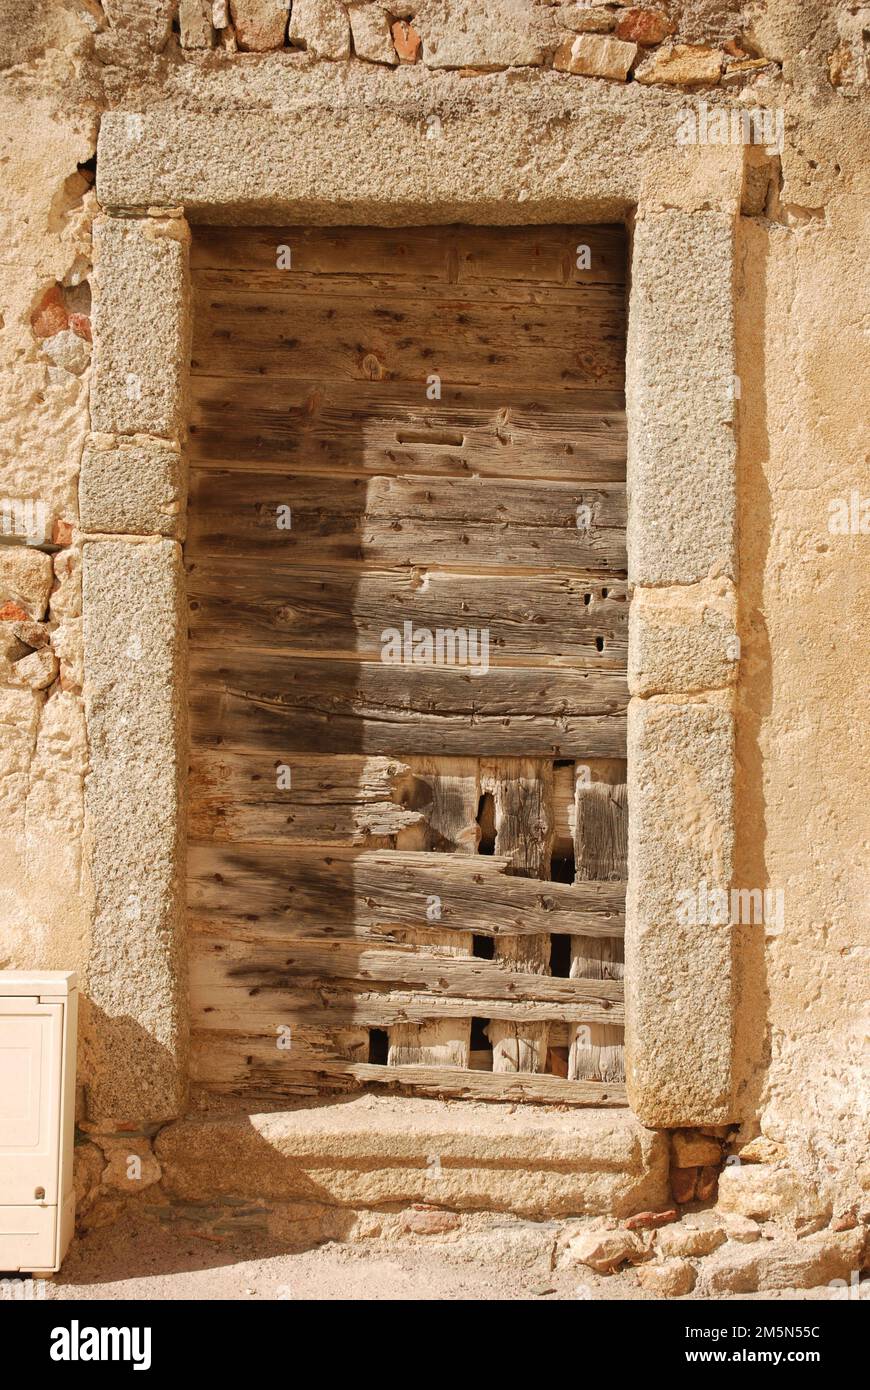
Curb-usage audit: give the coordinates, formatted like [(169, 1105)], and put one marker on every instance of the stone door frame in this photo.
[(158, 169)]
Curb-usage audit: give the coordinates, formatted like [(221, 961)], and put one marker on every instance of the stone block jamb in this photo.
[(683, 650), (132, 496)]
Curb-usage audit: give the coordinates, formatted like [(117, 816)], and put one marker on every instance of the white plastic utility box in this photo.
[(37, 1105)]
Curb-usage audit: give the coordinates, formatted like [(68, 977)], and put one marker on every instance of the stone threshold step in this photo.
[(372, 1151)]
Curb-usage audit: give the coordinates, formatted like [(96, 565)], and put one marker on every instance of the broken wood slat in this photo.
[(597, 1053), (448, 254), (342, 800), (225, 1004), (251, 1068), (390, 428), (600, 850), (402, 521), (332, 1003), (222, 820), (450, 827), (443, 1043), (556, 346), (266, 968), (610, 770), (234, 796), (316, 780), (347, 893), (262, 701), (522, 801), (532, 619)]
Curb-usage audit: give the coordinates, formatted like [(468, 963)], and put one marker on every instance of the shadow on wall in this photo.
[(104, 1040), (752, 1039)]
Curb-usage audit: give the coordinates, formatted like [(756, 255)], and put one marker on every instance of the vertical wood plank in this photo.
[(597, 1053), (518, 1047), (441, 1044), (450, 826), (522, 797), (600, 852)]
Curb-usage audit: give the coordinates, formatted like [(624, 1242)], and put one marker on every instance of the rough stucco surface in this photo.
[(800, 718)]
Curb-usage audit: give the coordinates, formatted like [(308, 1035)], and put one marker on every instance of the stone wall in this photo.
[(410, 70)]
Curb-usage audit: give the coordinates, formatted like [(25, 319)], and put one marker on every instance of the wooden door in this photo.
[(407, 581)]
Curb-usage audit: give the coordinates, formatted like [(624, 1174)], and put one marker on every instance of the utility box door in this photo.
[(31, 1037)]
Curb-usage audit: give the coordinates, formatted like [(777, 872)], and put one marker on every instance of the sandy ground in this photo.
[(139, 1260)]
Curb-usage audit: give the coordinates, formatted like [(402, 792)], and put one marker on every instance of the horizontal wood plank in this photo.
[(471, 524), (348, 338), (545, 255), (218, 287), (225, 1008), (328, 972), (261, 701), (538, 619), (249, 797), (391, 428), (349, 894), (252, 1068)]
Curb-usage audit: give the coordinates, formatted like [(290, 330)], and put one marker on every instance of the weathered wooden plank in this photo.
[(252, 1068), (451, 828), (296, 704), (610, 770), (450, 824), (597, 1053), (600, 850), (308, 800), (442, 1043), (236, 1009), (458, 510), (518, 1045), (316, 499), (416, 253), (557, 346), (332, 1004), (601, 830), (474, 524), (390, 428), (522, 796), (522, 793), (444, 254), (321, 721), (532, 619), (267, 968), (347, 893), (299, 289)]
